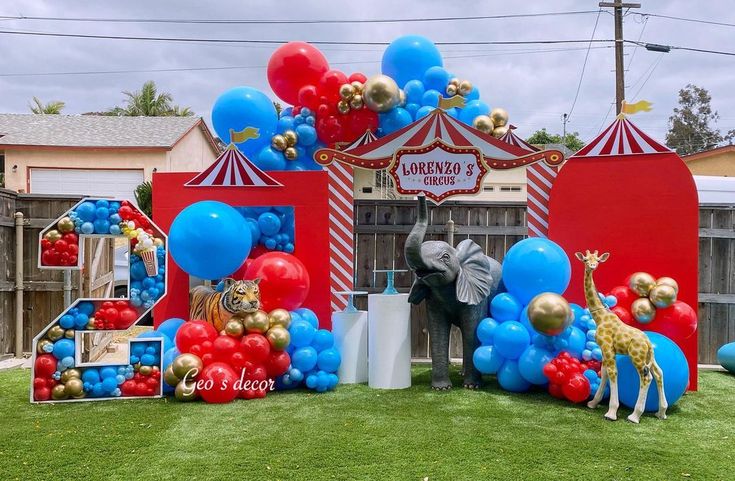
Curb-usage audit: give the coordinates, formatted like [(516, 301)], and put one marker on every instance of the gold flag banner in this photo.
[(245, 134), (456, 101), (640, 106)]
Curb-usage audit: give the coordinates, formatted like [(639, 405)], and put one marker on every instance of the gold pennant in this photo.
[(455, 101), (245, 134), (640, 106)]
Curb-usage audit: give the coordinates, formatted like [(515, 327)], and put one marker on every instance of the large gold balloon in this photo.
[(69, 334), (356, 102), (550, 313), (186, 391), (641, 283), (234, 328), (65, 225), (452, 90), (186, 364), (381, 93), (500, 131), (256, 322), (169, 377), (55, 333), (145, 370), (74, 387), (668, 281), (52, 236), (42, 346), (643, 310), (70, 374), (291, 137), (465, 87), (279, 337), (290, 153), (346, 91), (279, 317), (499, 116), (662, 295), (58, 392), (279, 143), (483, 123)]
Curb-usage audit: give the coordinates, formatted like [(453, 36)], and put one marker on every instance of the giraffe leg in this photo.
[(640, 404), (658, 376), (612, 372), (600, 390)]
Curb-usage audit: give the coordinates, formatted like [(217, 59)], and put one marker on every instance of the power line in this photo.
[(658, 61), (685, 19), (584, 65), (673, 47)]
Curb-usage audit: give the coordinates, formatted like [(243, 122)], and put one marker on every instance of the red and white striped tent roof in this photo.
[(232, 169), (364, 139), (511, 138), (621, 138)]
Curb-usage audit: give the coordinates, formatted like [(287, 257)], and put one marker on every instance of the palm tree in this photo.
[(148, 102), (54, 107)]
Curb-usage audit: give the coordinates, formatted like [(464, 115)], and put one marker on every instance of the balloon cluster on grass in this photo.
[(271, 227), (571, 379)]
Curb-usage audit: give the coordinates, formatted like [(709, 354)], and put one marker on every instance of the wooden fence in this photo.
[(381, 228)]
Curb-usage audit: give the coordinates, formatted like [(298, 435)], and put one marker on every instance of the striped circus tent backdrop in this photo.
[(621, 138), (232, 169)]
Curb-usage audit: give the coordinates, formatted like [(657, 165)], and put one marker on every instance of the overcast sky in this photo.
[(535, 87)]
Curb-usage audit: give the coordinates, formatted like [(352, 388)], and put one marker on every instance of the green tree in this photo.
[(571, 142), (144, 198), (690, 128), (148, 102), (52, 108)]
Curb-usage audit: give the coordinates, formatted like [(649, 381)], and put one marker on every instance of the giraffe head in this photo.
[(591, 259)]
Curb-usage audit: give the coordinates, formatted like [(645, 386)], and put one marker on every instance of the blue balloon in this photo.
[(436, 78), (170, 327), (168, 343), (243, 107), (453, 112), (329, 360), (101, 226), (531, 364), (269, 223), (309, 316), (209, 240), (304, 358), (412, 109), (505, 307), (81, 320), (270, 159), (286, 122), (169, 356), (473, 95), (323, 339), (395, 119), (424, 111), (86, 211), (63, 348), (66, 321), (137, 271), (306, 134), (510, 379), (533, 266), (485, 330), (511, 339), (576, 342), (487, 360), (91, 375), (578, 312), (430, 98), (726, 356), (109, 384), (414, 90), (408, 57), (296, 375), (472, 109), (302, 333), (102, 212), (108, 371), (672, 362), (86, 307), (87, 228)]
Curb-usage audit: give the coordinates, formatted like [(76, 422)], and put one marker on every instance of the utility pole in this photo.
[(618, 7)]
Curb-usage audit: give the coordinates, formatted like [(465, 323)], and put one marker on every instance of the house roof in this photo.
[(709, 153), (97, 131)]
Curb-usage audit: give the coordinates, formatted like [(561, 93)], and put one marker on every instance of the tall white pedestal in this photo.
[(350, 331), (389, 341)]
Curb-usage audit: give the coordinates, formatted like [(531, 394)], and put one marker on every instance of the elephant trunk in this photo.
[(416, 237)]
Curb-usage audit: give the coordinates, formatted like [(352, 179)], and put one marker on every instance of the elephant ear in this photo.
[(474, 281)]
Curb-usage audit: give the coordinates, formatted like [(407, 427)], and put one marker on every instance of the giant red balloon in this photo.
[(624, 295), (284, 281), (194, 333), (293, 66), (677, 322), (256, 347), (45, 365), (224, 347), (624, 315), (577, 388), (216, 383)]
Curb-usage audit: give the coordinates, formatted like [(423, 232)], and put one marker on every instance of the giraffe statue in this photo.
[(616, 337)]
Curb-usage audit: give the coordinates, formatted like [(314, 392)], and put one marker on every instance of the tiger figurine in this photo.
[(218, 307)]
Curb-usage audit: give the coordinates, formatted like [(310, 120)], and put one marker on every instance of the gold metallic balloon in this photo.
[(279, 337), (58, 392), (641, 283), (500, 131), (483, 123), (643, 310), (279, 317), (346, 91), (186, 391), (234, 328), (454, 81), (145, 370), (65, 225), (69, 333), (291, 153), (465, 87), (186, 364), (668, 281), (69, 374), (356, 102), (499, 116), (55, 333), (452, 90), (41, 346), (81, 395), (550, 313), (136, 367), (291, 137), (256, 322), (381, 93), (343, 106), (402, 98), (74, 387), (90, 323), (52, 236), (662, 295), (169, 377), (358, 86), (278, 142)]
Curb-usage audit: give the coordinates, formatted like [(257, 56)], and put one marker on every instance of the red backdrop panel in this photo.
[(306, 192), (643, 209)]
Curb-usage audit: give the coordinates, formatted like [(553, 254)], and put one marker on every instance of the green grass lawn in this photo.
[(357, 433)]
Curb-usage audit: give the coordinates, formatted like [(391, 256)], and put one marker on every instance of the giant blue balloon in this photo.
[(726, 357), (242, 107), (672, 362), (209, 240), (533, 266), (408, 57), (472, 109)]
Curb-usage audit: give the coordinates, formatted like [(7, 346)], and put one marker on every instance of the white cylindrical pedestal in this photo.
[(389, 341), (350, 331)]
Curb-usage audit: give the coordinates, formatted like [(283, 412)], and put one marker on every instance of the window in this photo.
[(488, 188), (509, 188), (367, 190)]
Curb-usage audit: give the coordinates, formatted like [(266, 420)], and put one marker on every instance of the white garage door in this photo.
[(93, 182)]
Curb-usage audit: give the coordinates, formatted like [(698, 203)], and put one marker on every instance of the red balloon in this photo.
[(45, 365), (256, 347), (127, 317), (72, 249), (623, 314), (556, 391), (292, 66), (358, 77), (278, 363), (550, 370), (42, 394), (284, 280), (308, 97), (45, 244), (61, 245), (125, 212), (216, 383), (71, 238), (577, 388), (360, 121), (195, 333), (329, 129), (677, 322), (224, 347), (330, 83), (50, 257), (624, 296)]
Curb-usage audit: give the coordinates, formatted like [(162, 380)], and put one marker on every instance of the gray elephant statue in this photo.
[(456, 285)]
